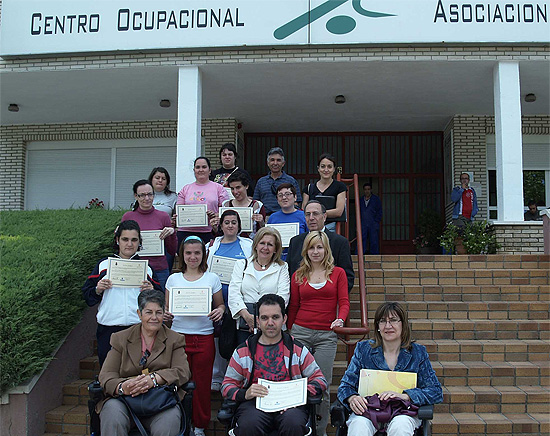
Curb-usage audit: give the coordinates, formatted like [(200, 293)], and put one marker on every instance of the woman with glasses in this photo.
[(319, 302), (391, 350), (117, 304), (331, 193), (149, 218), (201, 191), (144, 356), (198, 330)]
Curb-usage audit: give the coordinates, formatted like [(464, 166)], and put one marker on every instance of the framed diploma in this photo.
[(222, 267), (287, 231), (126, 272), (245, 213), (282, 395), (190, 301), (191, 215), (151, 243)]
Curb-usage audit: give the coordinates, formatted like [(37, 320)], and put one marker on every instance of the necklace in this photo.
[(262, 266)]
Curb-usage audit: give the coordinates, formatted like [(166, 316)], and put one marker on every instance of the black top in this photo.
[(327, 197), (221, 175)]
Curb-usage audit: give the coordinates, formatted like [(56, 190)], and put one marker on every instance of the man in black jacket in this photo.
[(316, 215)]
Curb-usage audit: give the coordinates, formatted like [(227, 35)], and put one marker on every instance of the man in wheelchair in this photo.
[(273, 355)]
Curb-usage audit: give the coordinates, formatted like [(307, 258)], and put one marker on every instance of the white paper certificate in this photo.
[(222, 267), (151, 243), (191, 215), (126, 272), (190, 301), (287, 231), (245, 213), (282, 395)]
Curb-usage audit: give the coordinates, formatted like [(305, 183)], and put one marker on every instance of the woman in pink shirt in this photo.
[(201, 191), (318, 302)]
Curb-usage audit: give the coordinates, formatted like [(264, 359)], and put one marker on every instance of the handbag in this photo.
[(154, 401), (251, 307), (381, 412), (227, 342)]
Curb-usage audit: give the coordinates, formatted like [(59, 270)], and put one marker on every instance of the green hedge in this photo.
[(45, 259)]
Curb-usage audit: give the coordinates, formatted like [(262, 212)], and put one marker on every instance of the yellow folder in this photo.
[(374, 381)]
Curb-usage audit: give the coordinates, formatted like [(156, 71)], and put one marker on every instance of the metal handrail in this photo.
[(364, 329)]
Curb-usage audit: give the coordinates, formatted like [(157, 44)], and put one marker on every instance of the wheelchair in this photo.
[(226, 415), (339, 414), (96, 395)]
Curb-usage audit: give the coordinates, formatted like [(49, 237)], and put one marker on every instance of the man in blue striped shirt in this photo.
[(266, 188)]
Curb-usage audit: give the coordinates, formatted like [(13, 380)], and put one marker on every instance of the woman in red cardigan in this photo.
[(318, 302)]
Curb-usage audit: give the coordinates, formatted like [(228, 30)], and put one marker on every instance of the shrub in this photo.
[(478, 238), (46, 257)]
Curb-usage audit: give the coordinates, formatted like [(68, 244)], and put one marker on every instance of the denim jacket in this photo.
[(456, 198), (428, 390)]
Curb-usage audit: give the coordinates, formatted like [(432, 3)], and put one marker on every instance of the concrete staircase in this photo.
[(484, 320)]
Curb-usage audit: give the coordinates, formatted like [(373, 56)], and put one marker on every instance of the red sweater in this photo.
[(154, 219), (316, 309)]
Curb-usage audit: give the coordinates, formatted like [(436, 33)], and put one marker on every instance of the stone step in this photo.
[(499, 261), (481, 424), (479, 373), (474, 310), (76, 392), (494, 399), (89, 367), (514, 350), (68, 418), (454, 293), (460, 277)]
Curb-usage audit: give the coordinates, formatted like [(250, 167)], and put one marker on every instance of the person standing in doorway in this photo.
[(371, 215), (465, 199)]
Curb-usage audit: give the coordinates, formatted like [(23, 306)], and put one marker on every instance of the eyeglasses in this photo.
[(285, 195), (143, 360), (147, 194), (390, 321)]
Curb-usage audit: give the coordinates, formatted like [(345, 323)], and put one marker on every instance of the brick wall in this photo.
[(13, 140), (340, 53), (520, 238)]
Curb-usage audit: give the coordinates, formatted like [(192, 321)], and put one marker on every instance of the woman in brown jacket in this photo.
[(143, 356)]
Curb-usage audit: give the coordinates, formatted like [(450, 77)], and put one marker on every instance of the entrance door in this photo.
[(405, 169)]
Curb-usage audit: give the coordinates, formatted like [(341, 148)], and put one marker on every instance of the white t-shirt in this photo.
[(194, 325)]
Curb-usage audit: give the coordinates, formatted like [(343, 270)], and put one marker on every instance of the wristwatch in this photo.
[(120, 390)]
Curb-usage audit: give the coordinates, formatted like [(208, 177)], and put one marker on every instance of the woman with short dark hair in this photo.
[(117, 304), (144, 356), (228, 159)]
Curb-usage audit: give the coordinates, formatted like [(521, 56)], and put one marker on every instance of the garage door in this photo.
[(68, 174)]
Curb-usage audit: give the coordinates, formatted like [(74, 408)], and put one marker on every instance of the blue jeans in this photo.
[(162, 276)]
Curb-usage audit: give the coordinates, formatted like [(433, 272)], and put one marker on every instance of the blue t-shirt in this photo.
[(284, 218), (234, 251)]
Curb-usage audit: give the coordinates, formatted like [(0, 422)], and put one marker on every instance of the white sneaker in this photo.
[(216, 386), (199, 432)]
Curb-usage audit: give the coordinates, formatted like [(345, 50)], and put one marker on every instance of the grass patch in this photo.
[(45, 257)]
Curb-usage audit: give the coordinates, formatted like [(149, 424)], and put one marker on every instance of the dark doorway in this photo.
[(405, 168)]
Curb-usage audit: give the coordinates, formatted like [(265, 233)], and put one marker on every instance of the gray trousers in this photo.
[(117, 421), (323, 344)]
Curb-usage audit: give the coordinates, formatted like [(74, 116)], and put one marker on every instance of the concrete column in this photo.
[(189, 124), (508, 141)]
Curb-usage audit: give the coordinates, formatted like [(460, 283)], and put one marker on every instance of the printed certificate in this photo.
[(372, 381), (222, 267), (245, 213), (127, 272), (191, 215), (190, 301), (287, 231), (228, 190), (151, 243), (282, 395)]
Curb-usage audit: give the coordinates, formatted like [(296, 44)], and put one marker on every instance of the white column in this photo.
[(508, 141), (189, 124)]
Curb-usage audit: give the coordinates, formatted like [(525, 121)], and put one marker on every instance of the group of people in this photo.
[(286, 303)]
